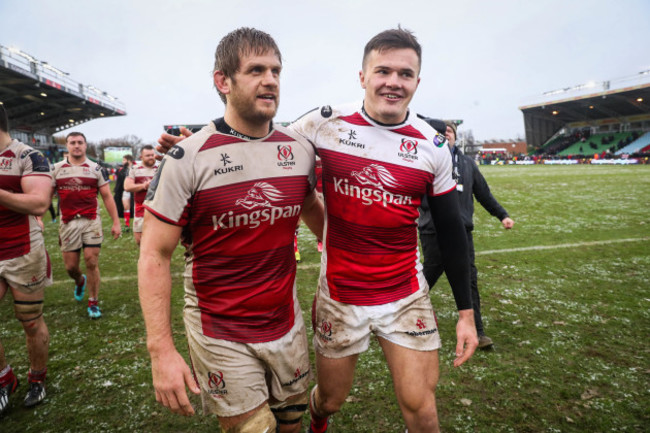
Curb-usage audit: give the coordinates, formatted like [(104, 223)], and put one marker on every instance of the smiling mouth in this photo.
[(392, 97), (267, 97)]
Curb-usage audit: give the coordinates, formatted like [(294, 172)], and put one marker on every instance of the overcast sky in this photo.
[(481, 59)]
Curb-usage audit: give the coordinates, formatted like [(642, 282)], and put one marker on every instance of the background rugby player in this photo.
[(77, 181), (137, 182), (25, 192)]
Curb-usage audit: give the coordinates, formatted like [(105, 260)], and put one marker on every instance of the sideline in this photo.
[(553, 247), (134, 276)]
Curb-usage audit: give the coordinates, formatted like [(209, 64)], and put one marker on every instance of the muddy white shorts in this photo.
[(342, 330), (29, 273), (80, 233), (237, 377)]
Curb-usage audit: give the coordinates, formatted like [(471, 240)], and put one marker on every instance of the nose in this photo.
[(392, 80), (270, 78)]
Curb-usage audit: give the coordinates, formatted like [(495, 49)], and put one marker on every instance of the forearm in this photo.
[(313, 214), (31, 204), (154, 285)]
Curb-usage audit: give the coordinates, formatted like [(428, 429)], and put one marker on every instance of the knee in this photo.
[(328, 404), (91, 263), (30, 314), (262, 420)]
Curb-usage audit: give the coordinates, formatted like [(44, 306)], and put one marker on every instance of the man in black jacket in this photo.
[(470, 183)]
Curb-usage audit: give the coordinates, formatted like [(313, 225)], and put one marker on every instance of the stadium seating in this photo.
[(641, 145), (598, 143)]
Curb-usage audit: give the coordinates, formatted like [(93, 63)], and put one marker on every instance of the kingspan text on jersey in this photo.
[(254, 218), (369, 195)]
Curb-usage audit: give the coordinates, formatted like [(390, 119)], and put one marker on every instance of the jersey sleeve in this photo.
[(102, 175), (172, 188), (308, 124), (34, 164), (131, 173), (442, 167)]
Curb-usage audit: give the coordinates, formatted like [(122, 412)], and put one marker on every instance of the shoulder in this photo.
[(294, 137)]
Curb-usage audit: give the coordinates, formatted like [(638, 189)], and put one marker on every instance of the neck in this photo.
[(76, 160), (5, 140), (242, 126)]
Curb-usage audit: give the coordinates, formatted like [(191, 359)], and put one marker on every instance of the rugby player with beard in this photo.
[(233, 193), (137, 182)]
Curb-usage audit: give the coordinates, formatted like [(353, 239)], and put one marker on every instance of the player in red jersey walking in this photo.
[(137, 182), (25, 271), (77, 181), (233, 193)]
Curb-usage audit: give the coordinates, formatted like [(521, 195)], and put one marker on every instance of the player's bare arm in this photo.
[(169, 370), (109, 203), (445, 211), (131, 186), (313, 214), (35, 198)]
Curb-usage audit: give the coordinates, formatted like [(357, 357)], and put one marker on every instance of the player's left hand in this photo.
[(467, 340), (116, 230), (507, 223)]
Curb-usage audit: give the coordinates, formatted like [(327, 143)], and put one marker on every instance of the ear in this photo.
[(362, 79), (221, 82)]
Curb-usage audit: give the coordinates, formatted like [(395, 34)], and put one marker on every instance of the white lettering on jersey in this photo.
[(260, 195)]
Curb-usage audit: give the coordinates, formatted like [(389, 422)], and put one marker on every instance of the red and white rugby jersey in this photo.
[(141, 174), (19, 233), (374, 178), (239, 200), (77, 187)]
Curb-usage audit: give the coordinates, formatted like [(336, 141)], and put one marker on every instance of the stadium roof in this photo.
[(41, 98), (621, 101)]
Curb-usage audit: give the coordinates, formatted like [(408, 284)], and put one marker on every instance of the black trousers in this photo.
[(433, 269)]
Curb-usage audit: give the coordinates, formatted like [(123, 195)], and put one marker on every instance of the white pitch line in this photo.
[(553, 247), (480, 253)]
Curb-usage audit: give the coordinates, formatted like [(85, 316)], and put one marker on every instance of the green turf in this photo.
[(565, 298)]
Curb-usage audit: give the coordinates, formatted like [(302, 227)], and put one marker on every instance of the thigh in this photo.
[(415, 374)]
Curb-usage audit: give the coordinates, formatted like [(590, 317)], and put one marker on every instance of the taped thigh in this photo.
[(262, 421), (290, 411), (26, 311)]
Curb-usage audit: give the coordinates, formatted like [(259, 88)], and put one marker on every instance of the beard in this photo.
[(247, 109)]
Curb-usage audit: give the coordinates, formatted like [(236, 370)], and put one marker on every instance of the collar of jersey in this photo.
[(221, 126), (385, 125)]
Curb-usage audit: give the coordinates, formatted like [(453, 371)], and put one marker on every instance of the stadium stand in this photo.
[(42, 100), (599, 117), (640, 145)]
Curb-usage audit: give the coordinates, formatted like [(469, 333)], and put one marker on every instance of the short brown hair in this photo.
[(75, 134), (238, 43), (390, 40)]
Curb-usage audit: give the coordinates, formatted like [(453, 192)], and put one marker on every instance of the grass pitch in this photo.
[(564, 296)]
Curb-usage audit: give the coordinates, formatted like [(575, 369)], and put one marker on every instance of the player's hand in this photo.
[(39, 221), (467, 340), (170, 376), (507, 223), (116, 230), (167, 141)]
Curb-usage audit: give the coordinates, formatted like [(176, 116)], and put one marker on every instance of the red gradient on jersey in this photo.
[(243, 266), (371, 228), (78, 196), (14, 227)]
